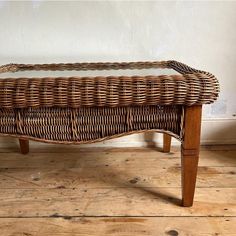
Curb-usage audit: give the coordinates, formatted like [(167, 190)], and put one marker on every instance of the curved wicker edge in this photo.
[(187, 89), (193, 87), (26, 137)]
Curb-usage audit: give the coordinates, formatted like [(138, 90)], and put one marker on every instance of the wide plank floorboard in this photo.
[(104, 191)]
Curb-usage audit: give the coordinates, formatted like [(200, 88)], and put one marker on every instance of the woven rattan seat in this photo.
[(89, 109)]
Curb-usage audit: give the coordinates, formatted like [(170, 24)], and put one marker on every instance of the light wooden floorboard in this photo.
[(114, 192), (220, 177), (122, 226), (115, 202)]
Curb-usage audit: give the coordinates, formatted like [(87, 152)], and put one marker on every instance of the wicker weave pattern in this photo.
[(192, 87), (84, 125)]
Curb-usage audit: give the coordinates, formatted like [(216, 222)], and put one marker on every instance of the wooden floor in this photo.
[(66, 191)]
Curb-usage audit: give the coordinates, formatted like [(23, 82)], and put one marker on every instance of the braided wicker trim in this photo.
[(190, 87)]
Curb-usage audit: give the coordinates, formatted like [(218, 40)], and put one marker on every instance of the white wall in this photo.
[(201, 34)]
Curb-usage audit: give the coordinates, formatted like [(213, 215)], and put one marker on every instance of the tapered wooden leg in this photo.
[(190, 153), (166, 142), (24, 146), (189, 174)]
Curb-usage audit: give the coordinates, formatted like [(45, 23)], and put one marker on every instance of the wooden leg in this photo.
[(166, 142), (190, 152), (24, 146)]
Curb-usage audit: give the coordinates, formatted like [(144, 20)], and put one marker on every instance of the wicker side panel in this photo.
[(84, 125)]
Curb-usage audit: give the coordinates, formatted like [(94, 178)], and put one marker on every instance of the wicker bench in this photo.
[(75, 110)]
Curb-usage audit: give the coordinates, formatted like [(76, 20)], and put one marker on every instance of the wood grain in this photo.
[(122, 226), (131, 175), (144, 158), (115, 202), (24, 146), (114, 192), (116, 169), (190, 152), (166, 143)]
